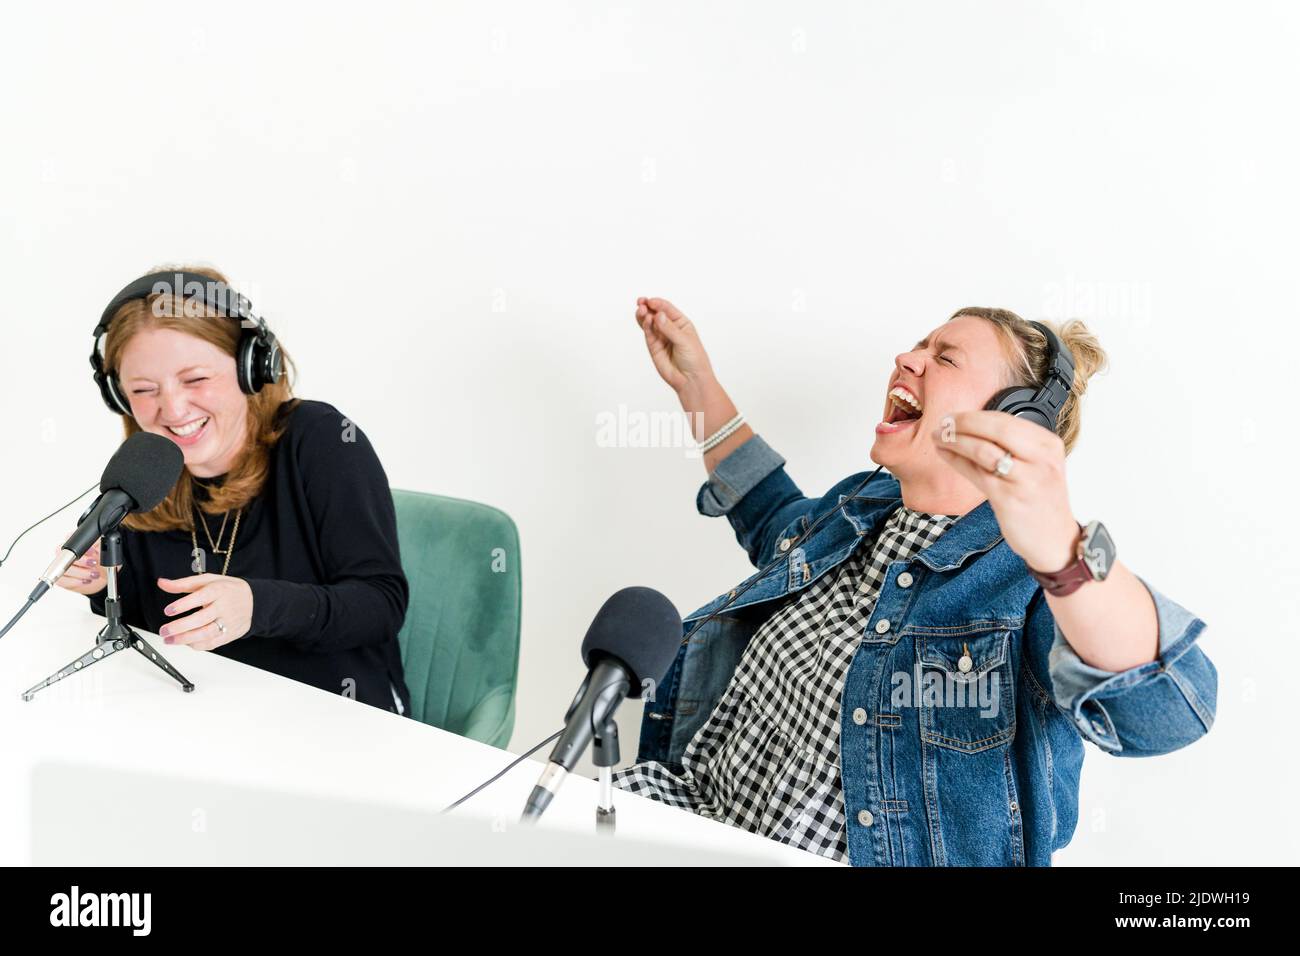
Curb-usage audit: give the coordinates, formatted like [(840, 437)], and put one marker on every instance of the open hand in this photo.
[(216, 602)]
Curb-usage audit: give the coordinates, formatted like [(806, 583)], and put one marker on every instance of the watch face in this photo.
[(1098, 550)]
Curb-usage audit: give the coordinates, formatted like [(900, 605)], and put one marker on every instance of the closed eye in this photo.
[(194, 381)]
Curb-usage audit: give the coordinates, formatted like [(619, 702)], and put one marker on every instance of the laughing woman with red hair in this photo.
[(278, 544)]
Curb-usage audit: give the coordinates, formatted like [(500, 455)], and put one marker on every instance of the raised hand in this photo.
[(680, 359), (674, 345), (1032, 502)]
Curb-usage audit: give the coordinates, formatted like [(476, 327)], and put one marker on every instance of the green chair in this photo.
[(460, 640)]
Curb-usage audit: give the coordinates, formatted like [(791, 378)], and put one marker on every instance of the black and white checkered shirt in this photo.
[(768, 758)]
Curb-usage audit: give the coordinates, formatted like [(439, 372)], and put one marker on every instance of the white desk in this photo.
[(245, 736)]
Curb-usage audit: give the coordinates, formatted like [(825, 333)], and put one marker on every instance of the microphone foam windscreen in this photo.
[(146, 467), (641, 628)]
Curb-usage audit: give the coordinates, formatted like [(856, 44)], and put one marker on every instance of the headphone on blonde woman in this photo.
[(258, 360), (1040, 403)]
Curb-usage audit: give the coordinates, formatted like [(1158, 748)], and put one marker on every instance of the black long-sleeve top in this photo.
[(318, 547)]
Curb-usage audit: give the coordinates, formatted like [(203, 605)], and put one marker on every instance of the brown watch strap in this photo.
[(1071, 577)]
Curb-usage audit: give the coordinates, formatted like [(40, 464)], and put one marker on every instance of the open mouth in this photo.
[(903, 406), (188, 429)]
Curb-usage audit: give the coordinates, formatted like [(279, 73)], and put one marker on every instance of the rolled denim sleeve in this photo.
[(736, 476), (751, 488), (1150, 709)]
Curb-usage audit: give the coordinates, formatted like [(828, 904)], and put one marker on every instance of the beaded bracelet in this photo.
[(722, 434)]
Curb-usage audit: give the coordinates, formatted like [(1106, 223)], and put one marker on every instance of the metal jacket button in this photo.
[(865, 818), (905, 580), (784, 545), (859, 716), (882, 626)]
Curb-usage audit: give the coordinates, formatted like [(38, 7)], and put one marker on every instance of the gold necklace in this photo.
[(199, 565), (220, 533)]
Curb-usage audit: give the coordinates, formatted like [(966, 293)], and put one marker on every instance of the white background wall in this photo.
[(447, 212)]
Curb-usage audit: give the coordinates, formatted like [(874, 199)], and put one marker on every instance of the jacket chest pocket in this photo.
[(967, 692)]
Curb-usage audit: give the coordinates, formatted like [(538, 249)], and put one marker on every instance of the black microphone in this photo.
[(137, 478), (631, 642)]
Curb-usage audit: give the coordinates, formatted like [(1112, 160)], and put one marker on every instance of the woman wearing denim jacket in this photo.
[(899, 688)]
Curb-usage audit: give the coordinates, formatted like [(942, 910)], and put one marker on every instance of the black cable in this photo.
[(514, 763), (45, 519), (21, 612)]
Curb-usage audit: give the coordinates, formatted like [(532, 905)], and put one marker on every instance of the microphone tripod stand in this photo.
[(115, 635), (604, 754)]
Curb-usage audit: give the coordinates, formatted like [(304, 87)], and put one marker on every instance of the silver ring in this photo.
[(221, 627), (1003, 466)]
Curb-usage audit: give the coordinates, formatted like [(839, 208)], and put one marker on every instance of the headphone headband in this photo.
[(1060, 373), (258, 360), (179, 284)]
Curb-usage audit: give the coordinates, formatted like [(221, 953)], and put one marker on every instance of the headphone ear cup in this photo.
[(241, 366), (245, 365), (1035, 414), (272, 361), (113, 396), (1007, 399), (1019, 401), (259, 362)]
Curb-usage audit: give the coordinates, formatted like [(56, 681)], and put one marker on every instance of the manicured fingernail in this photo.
[(169, 611), (169, 640)]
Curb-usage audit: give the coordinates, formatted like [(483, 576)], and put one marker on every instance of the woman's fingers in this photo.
[(81, 583), (77, 574), (185, 630), (671, 328), (657, 344), (661, 356), (657, 304), (85, 569), (84, 576), (673, 343)]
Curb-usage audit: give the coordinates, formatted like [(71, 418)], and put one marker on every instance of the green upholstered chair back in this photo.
[(460, 640)]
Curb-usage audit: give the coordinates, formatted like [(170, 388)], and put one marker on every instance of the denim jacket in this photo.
[(927, 780)]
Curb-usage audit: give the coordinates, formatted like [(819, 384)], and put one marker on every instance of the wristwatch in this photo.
[(1094, 556)]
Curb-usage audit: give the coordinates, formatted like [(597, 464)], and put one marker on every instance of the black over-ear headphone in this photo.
[(1043, 403), (258, 361)]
